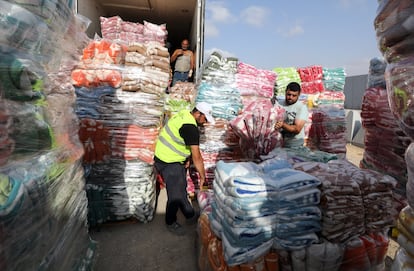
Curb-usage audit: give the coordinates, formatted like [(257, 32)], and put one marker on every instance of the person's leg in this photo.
[(176, 185), (175, 79), (184, 77)]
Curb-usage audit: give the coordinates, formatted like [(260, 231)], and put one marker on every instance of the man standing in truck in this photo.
[(184, 63)]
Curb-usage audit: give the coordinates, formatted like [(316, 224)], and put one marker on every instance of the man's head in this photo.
[(292, 93), (202, 112), (185, 44)]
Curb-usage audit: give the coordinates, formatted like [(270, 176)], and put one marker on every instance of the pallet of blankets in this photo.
[(43, 204), (385, 142), (120, 89), (404, 257), (275, 215), (394, 30), (216, 85)]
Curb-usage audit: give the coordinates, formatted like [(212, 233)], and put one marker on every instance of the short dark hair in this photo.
[(293, 86)]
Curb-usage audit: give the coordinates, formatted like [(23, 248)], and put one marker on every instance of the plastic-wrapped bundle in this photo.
[(89, 101), (244, 214), (23, 81), (219, 62), (22, 30), (181, 96), (366, 252), (405, 226), (384, 139), (302, 154), (400, 89), (402, 261), (255, 82), (320, 256), (328, 97), (6, 142), (311, 79), (155, 32), (111, 27), (376, 73), (55, 12), (149, 54), (328, 129), (284, 77), (226, 100), (114, 28), (120, 189), (43, 204), (134, 142), (99, 53), (140, 108), (44, 213), (339, 194), (211, 255), (21, 78), (31, 131), (334, 79), (352, 199), (100, 65), (394, 25), (409, 158), (95, 139), (255, 128)]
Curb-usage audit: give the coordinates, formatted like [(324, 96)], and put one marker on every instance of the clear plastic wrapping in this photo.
[(43, 204)]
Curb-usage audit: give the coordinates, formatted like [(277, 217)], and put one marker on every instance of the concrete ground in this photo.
[(135, 246)]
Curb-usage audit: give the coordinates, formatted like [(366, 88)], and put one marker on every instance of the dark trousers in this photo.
[(174, 175)]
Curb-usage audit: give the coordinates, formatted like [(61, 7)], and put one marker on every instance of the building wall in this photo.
[(92, 10), (354, 91)]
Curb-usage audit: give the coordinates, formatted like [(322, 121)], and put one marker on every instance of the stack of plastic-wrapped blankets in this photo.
[(120, 87), (43, 204)]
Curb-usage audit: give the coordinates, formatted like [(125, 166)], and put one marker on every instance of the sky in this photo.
[(294, 33)]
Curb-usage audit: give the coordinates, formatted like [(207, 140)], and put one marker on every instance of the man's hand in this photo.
[(187, 163), (278, 125)]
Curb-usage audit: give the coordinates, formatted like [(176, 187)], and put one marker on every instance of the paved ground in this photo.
[(137, 246)]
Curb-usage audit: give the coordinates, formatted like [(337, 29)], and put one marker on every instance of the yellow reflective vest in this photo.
[(170, 146)]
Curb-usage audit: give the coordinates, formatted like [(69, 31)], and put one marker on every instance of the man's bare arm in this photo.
[(198, 163)]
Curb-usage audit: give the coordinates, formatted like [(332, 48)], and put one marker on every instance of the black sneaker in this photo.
[(176, 229)]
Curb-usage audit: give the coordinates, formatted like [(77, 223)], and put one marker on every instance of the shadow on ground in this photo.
[(135, 246)]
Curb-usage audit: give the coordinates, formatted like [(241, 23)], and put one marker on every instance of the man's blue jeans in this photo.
[(179, 76)]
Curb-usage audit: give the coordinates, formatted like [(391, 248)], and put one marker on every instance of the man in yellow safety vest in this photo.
[(178, 141)]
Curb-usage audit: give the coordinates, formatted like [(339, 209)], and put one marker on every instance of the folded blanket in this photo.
[(262, 205), (248, 173), (295, 242), (238, 255)]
